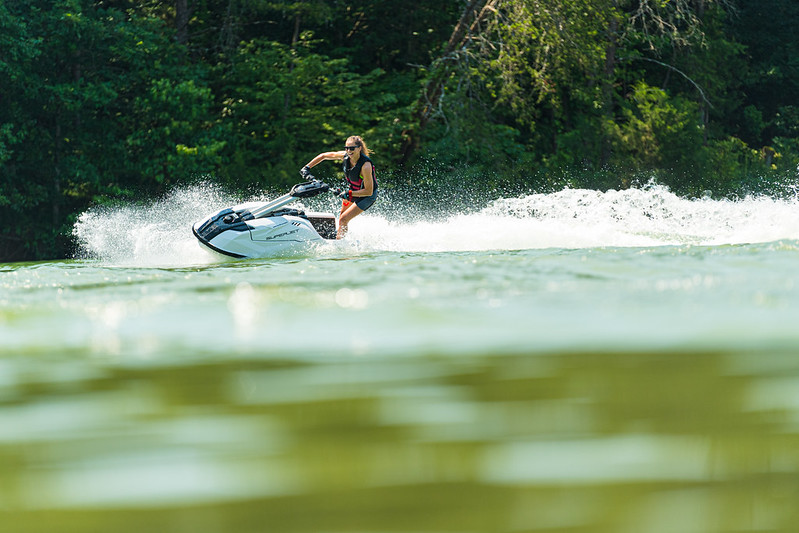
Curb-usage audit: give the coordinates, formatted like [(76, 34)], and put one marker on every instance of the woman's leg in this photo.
[(347, 213)]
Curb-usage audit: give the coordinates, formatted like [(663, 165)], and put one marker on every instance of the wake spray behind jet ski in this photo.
[(265, 229)]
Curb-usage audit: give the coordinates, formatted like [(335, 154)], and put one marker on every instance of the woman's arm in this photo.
[(326, 156)]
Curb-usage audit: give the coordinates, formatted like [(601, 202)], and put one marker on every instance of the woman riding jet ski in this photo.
[(262, 230), (360, 173)]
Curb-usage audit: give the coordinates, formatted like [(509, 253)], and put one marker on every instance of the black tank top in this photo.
[(353, 174)]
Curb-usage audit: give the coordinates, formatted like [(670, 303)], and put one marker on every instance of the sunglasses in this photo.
[(350, 148)]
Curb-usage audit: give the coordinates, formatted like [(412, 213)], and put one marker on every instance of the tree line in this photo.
[(118, 100)]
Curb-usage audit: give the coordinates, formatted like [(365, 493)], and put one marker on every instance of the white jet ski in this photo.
[(265, 229)]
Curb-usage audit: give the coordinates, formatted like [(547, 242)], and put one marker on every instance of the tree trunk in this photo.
[(700, 9), (55, 204), (182, 21), (77, 74), (287, 94), (608, 78), (295, 37), (227, 34)]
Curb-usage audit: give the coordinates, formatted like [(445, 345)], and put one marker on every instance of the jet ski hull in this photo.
[(233, 232), (267, 229)]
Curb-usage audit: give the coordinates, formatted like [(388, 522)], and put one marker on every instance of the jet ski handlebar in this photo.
[(308, 189)]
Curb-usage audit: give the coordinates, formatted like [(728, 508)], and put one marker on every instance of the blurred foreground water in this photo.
[(574, 362)]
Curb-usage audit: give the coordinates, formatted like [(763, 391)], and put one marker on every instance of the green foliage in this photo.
[(784, 156), (656, 130), (469, 133), (730, 161), (285, 104), (553, 56), (771, 78), (174, 139)]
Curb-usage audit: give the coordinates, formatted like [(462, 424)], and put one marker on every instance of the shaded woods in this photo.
[(120, 100)]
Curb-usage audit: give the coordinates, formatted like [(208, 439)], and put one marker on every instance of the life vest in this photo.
[(353, 174)]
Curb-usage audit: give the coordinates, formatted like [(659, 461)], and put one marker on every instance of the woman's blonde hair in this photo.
[(357, 140)]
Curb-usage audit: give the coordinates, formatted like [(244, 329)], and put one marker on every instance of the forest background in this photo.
[(111, 100)]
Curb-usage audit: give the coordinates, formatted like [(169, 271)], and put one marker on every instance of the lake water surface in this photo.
[(577, 361)]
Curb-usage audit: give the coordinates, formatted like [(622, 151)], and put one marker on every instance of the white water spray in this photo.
[(578, 218), (159, 233), (153, 234)]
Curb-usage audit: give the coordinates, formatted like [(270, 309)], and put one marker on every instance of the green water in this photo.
[(382, 386)]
